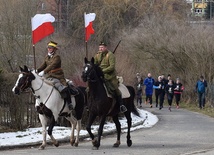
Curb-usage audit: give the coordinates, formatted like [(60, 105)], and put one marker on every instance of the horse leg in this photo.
[(78, 132), (100, 132), (129, 122), (50, 130), (118, 128), (43, 120), (88, 128), (73, 122)]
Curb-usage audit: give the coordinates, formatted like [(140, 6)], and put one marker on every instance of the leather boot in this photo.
[(122, 106), (73, 90)]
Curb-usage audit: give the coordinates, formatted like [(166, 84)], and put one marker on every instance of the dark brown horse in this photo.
[(101, 105)]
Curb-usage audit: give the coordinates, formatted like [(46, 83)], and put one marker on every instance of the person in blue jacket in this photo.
[(149, 82), (201, 88)]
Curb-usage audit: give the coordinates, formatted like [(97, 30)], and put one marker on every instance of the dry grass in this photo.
[(208, 110)]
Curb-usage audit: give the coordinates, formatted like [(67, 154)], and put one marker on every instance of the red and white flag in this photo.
[(41, 26), (89, 18)]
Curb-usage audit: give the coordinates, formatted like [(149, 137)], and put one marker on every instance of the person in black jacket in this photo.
[(159, 92), (164, 80), (169, 77), (178, 91), (170, 92), (139, 89)]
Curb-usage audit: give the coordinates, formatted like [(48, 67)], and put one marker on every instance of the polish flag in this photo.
[(89, 18), (41, 26)]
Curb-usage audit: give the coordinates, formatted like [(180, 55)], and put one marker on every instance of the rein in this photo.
[(49, 96), (39, 87), (91, 80), (34, 90)]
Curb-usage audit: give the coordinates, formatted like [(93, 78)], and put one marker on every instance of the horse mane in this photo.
[(43, 78), (99, 71)]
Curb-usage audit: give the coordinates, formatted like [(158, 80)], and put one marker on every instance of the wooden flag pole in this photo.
[(86, 49), (34, 57)]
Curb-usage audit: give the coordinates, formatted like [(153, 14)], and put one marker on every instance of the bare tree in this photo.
[(15, 30)]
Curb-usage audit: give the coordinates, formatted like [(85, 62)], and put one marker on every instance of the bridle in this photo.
[(89, 72), (27, 82), (38, 88)]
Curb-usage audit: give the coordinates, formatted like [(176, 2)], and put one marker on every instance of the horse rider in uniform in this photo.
[(51, 69), (106, 60)]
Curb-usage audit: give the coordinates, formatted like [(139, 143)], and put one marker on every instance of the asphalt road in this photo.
[(179, 132)]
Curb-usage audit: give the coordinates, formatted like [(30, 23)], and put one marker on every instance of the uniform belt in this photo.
[(54, 70)]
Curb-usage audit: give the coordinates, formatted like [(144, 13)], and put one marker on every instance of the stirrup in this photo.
[(70, 106), (123, 109), (74, 91)]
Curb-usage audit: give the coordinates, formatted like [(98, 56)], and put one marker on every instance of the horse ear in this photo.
[(25, 68), (92, 60), (21, 69), (86, 60)]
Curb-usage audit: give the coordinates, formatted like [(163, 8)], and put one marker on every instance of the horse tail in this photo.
[(135, 111), (83, 90), (80, 102), (132, 97)]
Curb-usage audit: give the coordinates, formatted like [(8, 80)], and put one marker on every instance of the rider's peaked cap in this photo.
[(53, 44), (102, 43)]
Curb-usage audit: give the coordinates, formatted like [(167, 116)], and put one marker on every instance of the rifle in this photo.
[(116, 47)]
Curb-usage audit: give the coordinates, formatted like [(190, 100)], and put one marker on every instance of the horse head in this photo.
[(24, 80), (91, 72)]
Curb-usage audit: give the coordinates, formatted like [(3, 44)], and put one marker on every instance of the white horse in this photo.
[(50, 105)]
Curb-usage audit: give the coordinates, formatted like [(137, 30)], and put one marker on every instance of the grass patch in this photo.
[(208, 110)]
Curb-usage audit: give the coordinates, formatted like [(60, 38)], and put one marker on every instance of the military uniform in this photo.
[(106, 61), (52, 68)]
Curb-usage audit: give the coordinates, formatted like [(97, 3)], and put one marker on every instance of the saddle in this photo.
[(72, 88), (56, 83), (123, 89)]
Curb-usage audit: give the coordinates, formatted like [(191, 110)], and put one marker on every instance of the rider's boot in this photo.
[(122, 106), (67, 98), (73, 89)]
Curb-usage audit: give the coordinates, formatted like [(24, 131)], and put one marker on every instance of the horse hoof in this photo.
[(94, 142), (41, 147), (95, 148), (56, 144), (116, 145), (129, 143), (72, 142), (76, 144)]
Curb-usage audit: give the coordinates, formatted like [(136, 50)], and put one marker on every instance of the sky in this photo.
[(34, 135)]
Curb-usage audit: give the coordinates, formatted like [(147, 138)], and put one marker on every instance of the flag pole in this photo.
[(86, 43), (34, 57), (86, 49)]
